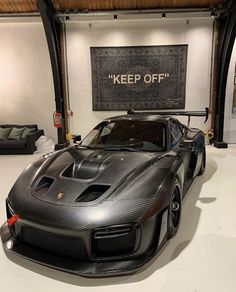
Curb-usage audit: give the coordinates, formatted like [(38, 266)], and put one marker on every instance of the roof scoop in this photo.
[(85, 170), (88, 168)]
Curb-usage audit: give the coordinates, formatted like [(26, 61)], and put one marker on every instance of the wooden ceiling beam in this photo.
[(22, 6)]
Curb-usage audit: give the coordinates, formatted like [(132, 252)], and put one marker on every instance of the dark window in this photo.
[(141, 135), (176, 132)]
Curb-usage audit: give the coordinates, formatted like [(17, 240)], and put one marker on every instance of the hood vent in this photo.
[(92, 193), (44, 184)]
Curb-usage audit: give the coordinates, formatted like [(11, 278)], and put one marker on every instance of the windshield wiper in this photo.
[(90, 147), (121, 149), (135, 147)]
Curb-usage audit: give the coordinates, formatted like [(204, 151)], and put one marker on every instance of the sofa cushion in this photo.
[(12, 144), (19, 126), (27, 131), (15, 133), (4, 133)]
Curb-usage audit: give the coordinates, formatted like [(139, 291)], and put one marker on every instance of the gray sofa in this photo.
[(24, 143)]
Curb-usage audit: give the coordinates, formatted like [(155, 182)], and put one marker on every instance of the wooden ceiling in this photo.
[(26, 6)]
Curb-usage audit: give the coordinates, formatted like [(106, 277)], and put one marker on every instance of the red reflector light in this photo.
[(12, 220)]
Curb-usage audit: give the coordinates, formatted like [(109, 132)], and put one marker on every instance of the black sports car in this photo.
[(107, 205)]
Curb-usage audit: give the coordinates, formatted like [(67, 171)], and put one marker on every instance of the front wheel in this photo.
[(174, 212)]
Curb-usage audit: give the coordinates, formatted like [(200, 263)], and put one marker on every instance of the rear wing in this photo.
[(189, 114)]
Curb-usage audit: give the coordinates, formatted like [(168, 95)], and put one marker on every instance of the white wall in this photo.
[(26, 85), (230, 118), (80, 36)]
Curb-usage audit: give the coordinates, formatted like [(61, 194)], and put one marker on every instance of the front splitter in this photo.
[(72, 265)]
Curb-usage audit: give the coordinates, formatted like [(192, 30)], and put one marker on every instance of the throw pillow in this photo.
[(16, 133), (27, 131), (4, 132)]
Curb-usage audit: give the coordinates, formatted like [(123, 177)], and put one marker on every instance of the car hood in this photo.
[(84, 176)]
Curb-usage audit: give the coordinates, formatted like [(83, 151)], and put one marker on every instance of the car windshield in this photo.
[(127, 135)]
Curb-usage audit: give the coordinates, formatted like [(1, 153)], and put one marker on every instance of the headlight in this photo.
[(9, 209), (119, 240)]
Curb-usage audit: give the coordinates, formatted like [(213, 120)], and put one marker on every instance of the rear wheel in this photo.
[(174, 212), (203, 163)]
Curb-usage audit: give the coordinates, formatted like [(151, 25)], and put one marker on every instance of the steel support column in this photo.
[(53, 27), (227, 37)]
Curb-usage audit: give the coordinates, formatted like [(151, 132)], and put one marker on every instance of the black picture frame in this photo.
[(109, 62)]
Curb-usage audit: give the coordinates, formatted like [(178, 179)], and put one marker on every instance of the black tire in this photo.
[(203, 164), (174, 211)]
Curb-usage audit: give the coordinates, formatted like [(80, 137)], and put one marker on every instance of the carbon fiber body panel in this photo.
[(97, 212)]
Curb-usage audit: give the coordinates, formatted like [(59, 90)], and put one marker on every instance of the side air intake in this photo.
[(92, 193)]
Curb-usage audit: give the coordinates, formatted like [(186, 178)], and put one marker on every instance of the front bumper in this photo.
[(70, 264)]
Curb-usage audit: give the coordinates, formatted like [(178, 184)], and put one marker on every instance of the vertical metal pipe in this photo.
[(52, 28), (227, 38), (64, 74), (214, 71)]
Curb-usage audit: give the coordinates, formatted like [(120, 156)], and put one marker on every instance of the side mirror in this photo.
[(187, 145), (76, 138)]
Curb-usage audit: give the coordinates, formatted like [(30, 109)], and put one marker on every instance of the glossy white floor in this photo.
[(201, 258)]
